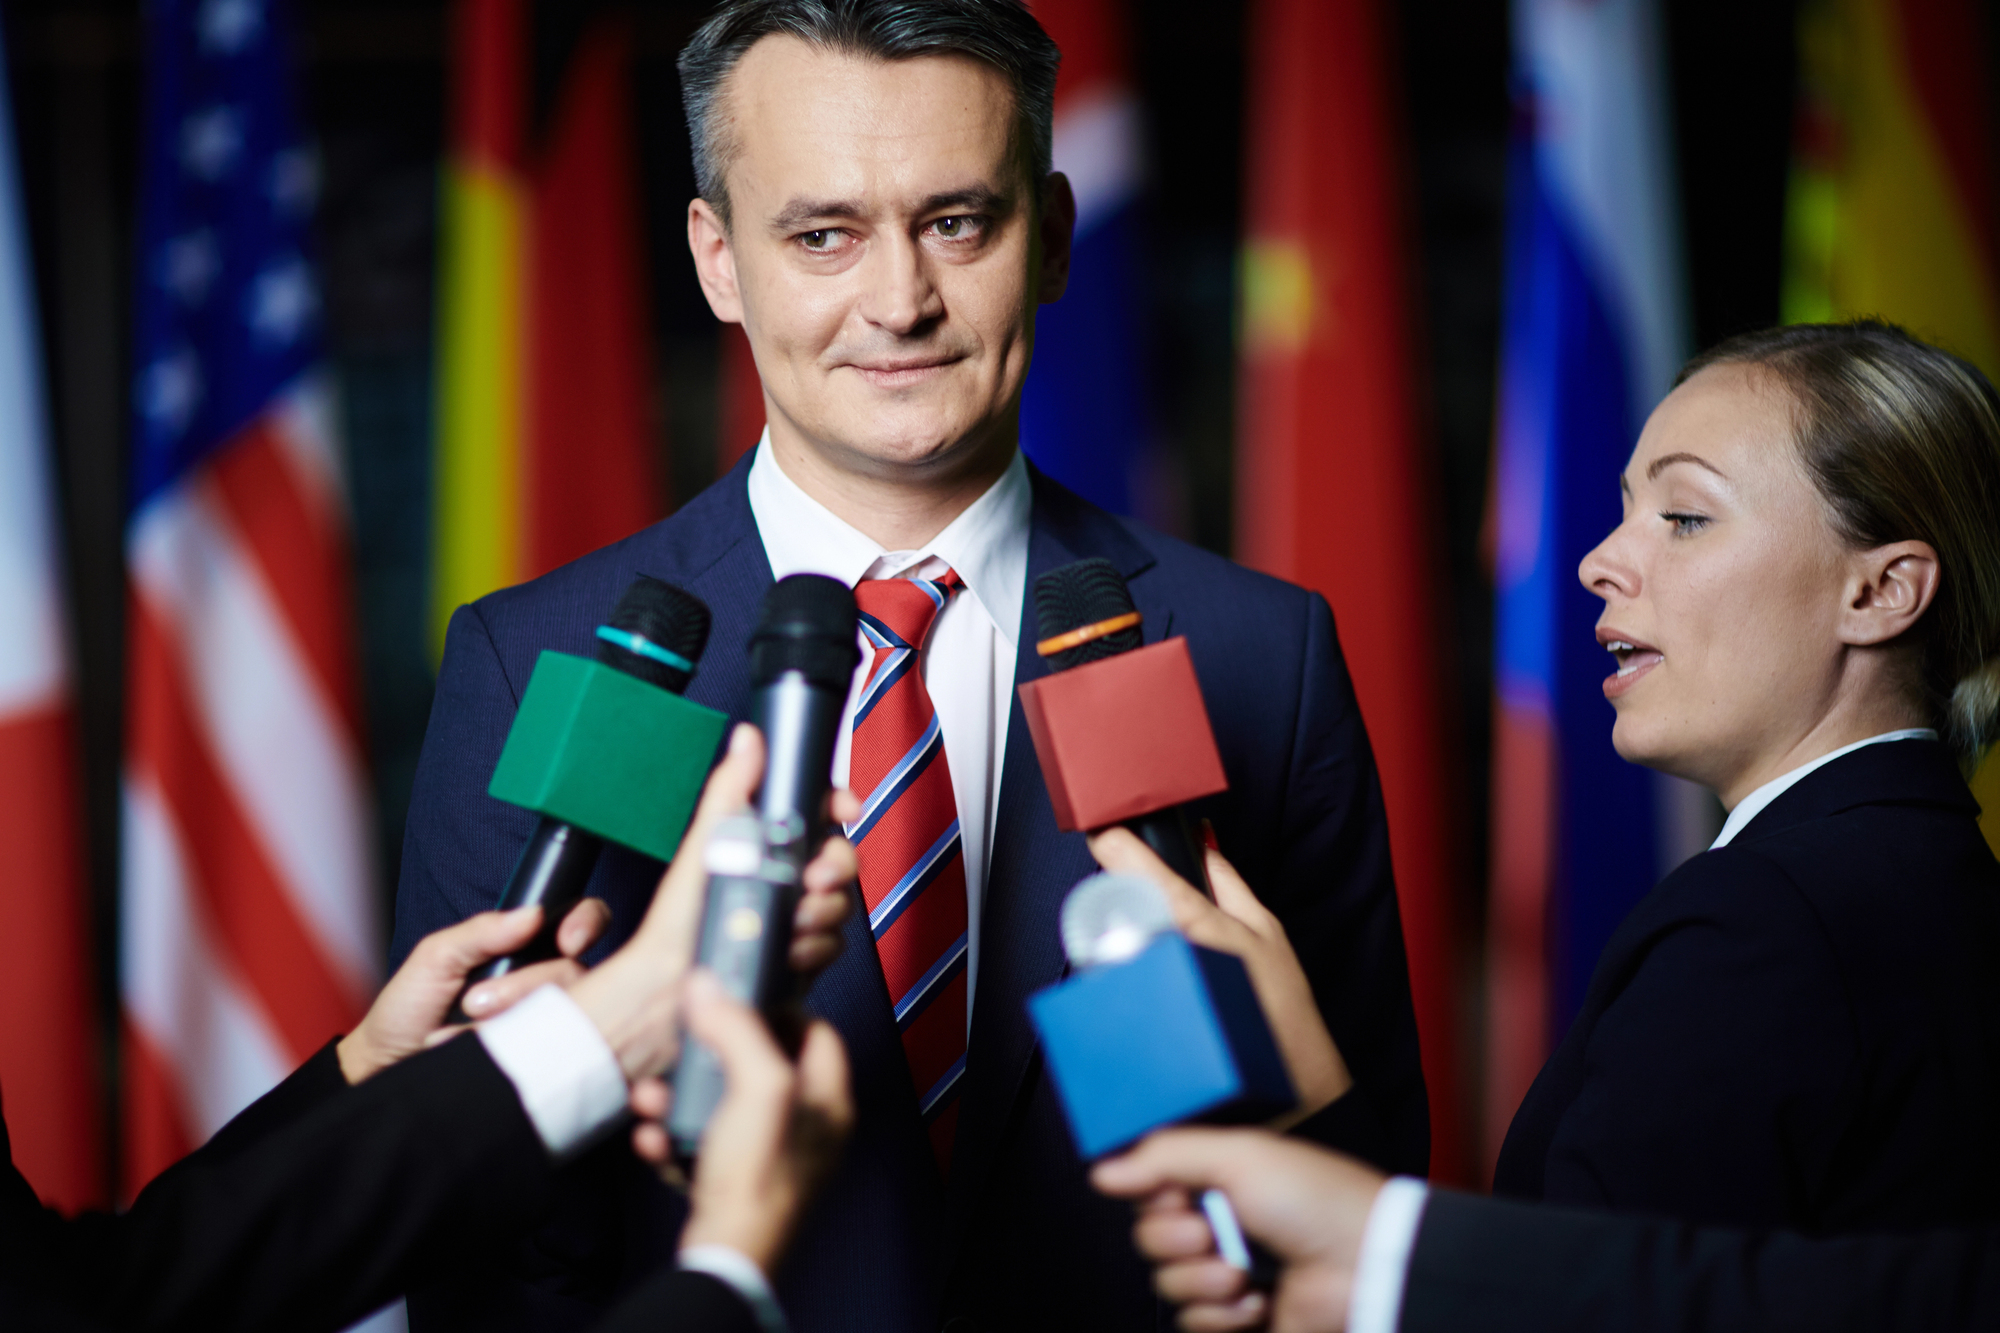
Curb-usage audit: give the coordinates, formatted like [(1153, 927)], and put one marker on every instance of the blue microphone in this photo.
[(1152, 1030)]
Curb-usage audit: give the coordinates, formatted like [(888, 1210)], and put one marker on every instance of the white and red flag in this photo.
[(48, 1028), (249, 934)]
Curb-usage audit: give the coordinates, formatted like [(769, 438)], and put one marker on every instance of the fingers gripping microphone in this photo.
[(802, 659), (1152, 1031), (605, 754), (1121, 731)]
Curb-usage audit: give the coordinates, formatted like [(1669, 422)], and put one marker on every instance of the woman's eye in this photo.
[(1686, 524)]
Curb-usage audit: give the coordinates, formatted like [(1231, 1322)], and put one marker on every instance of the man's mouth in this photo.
[(901, 371)]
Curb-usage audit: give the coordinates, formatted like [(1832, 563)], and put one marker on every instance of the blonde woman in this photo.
[(1800, 1027)]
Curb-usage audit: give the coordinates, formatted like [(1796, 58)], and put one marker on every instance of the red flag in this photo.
[(1332, 485)]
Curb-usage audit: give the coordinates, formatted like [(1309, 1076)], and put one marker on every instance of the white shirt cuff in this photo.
[(735, 1270), (568, 1080), (1376, 1303)]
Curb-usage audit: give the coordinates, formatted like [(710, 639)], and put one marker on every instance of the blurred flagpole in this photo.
[(1891, 207), (49, 1045), (546, 423), (249, 912), (1083, 411), (1594, 330), (1333, 482)]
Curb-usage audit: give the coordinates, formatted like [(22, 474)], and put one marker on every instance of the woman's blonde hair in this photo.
[(1902, 441)]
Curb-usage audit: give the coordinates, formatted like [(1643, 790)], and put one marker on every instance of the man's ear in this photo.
[(1888, 590), (714, 262), (1058, 229)]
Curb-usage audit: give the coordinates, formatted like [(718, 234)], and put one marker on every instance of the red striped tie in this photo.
[(912, 864)]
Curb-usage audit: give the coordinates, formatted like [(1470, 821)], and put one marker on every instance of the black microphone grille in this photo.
[(653, 630), (807, 624), (1087, 592)]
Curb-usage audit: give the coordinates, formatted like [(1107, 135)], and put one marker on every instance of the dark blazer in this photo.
[(1504, 1267), (889, 1248), (315, 1206), (1801, 1029)]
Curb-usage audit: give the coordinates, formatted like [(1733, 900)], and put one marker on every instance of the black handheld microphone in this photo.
[(802, 659), (656, 633), (1089, 593)]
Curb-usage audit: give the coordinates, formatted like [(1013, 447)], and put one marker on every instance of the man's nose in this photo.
[(900, 294)]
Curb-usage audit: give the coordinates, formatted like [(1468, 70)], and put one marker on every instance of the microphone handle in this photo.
[(1171, 835), (800, 722), (552, 872), (746, 931)]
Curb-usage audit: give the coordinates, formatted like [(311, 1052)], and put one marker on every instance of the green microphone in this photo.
[(606, 751)]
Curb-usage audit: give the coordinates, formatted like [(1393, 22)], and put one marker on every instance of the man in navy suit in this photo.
[(878, 211)]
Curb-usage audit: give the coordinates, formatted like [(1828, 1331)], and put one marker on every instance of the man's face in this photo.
[(885, 254)]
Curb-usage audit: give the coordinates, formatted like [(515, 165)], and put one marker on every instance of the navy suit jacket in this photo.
[(1018, 1237), (1800, 1029), (1503, 1267)]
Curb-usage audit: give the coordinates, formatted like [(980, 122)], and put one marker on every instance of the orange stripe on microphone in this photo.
[(1062, 643)]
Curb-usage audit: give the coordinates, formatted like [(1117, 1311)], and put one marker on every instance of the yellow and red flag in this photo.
[(545, 422), (1891, 208), (1330, 472)]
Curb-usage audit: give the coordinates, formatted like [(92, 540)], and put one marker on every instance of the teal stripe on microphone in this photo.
[(644, 647)]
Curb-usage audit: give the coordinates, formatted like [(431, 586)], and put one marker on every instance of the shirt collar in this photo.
[(987, 544), (1753, 805)]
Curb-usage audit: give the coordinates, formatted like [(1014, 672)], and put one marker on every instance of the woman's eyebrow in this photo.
[(1665, 461)]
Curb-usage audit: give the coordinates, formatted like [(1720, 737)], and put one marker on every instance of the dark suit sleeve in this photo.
[(312, 1225), (1517, 1268), (460, 843), (672, 1301), (1335, 892), (1712, 1078), (309, 1087)]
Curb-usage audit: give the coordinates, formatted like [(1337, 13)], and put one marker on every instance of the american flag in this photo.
[(249, 932)]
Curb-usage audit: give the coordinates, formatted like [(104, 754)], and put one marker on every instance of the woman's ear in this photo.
[(1889, 588)]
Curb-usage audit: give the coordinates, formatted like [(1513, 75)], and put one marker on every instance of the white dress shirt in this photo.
[(968, 662), (1753, 805)]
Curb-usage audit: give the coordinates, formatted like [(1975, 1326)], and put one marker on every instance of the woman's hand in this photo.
[(630, 995), (409, 1013), (774, 1138), (1237, 923)]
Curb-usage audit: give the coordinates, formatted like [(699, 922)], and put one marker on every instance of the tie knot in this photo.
[(899, 613)]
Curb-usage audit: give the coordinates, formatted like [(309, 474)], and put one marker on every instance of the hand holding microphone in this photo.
[(1238, 923), (802, 659)]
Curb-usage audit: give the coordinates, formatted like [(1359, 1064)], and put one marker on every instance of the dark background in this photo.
[(374, 80)]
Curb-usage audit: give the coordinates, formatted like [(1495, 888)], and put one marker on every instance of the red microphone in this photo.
[(1121, 731)]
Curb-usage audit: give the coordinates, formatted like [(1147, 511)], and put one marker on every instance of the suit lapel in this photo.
[(1033, 864)]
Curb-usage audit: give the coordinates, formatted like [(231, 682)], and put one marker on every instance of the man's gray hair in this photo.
[(1002, 33)]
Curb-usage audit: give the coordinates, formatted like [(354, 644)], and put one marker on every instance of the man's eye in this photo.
[(817, 240), (952, 229)]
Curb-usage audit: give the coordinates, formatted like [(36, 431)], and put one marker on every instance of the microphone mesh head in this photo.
[(807, 624), (1072, 596), (1109, 918), (665, 616)]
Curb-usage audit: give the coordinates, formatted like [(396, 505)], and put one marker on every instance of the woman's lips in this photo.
[(1634, 661)]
